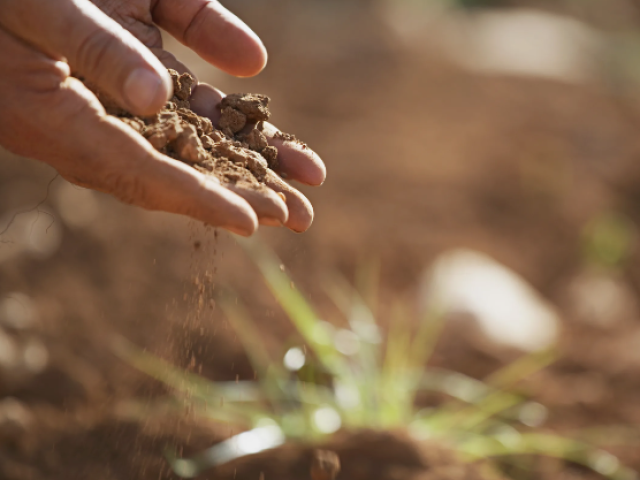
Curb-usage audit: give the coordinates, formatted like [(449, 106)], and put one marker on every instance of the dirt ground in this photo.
[(422, 156)]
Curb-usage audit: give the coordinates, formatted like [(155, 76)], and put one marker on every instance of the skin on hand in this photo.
[(48, 115)]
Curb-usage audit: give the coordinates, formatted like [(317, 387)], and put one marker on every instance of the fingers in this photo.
[(205, 100), (296, 161), (101, 152), (173, 187), (150, 180), (95, 46), (56, 119), (214, 33), (268, 205), (26, 69), (300, 209)]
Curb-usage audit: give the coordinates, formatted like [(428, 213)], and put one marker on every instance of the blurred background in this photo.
[(461, 137)]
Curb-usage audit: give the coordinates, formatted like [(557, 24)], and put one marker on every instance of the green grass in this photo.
[(353, 379)]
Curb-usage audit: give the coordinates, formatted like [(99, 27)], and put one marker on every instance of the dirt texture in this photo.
[(117, 449), (363, 455), (511, 167), (235, 151)]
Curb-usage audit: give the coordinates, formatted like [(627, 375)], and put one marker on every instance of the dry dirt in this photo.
[(364, 455), (512, 167), (235, 151), (118, 449)]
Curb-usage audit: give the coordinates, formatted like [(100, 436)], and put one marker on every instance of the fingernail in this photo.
[(142, 89)]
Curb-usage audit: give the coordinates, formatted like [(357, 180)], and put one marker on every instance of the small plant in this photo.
[(350, 378)]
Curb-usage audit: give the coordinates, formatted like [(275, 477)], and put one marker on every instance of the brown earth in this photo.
[(422, 157), (235, 151), (111, 449)]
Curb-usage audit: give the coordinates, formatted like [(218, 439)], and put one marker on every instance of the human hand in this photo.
[(48, 115)]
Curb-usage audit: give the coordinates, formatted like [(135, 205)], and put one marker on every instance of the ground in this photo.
[(422, 156)]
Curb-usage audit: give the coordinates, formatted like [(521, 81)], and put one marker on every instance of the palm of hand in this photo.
[(87, 147)]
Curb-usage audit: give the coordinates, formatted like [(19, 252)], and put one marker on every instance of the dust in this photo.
[(235, 151), (199, 295)]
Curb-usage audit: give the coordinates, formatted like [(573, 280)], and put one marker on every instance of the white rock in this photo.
[(508, 310), (515, 41), (527, 43)]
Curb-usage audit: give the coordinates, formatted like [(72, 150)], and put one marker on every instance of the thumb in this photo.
[(95, 46)]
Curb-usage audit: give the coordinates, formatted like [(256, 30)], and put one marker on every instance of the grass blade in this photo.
[(297, 308), (520, 369)]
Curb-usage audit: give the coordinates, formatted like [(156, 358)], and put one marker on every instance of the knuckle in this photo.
[(135, 17), (195, 28), (93, 51), (40, 75), (149, 35)]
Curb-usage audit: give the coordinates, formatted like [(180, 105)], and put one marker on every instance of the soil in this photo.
[(120, 450), (235, 151), (422, 157), (361, 455)]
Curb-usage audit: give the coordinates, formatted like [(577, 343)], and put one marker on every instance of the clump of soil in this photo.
[(235, 151)]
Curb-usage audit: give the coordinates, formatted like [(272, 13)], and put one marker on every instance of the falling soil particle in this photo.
[(235, 151)]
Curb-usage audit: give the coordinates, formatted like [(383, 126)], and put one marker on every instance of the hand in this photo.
[(48, 115)]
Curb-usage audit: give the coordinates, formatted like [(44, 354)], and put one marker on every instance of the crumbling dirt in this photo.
[(235, 151)]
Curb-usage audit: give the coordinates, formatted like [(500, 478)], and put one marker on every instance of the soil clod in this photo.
[(235, 151), (253, 106)]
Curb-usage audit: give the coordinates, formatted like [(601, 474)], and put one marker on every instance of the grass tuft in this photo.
[(353, 379)]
